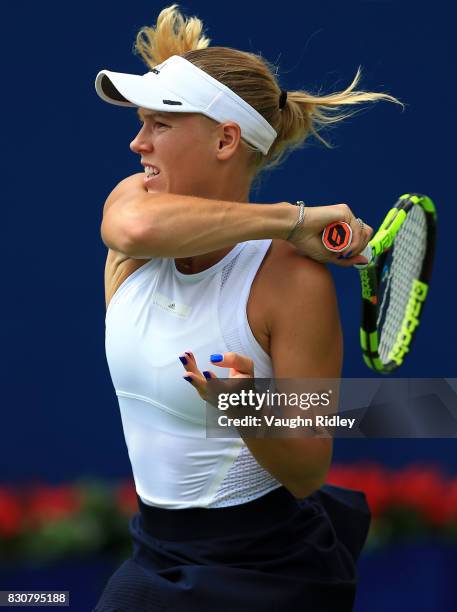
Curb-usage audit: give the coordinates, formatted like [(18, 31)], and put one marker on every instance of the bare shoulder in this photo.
[(305, 330), (288, 285), (293, 274)]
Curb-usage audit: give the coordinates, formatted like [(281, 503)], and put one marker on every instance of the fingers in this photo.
[(240, 365), (193, 375), (361, 231), (350, 261), (189, 362), (361, 235)]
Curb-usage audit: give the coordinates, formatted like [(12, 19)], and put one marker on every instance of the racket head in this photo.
[(395, 283)]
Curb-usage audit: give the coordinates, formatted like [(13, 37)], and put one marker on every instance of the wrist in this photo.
[(286, 218), (298, 209), (278, 219)]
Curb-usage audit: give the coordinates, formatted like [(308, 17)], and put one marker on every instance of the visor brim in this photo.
[(125, 89)]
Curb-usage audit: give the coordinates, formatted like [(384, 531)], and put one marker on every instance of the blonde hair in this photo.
[(252, 78)]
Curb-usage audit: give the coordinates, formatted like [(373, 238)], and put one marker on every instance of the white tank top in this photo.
[(156, 315)]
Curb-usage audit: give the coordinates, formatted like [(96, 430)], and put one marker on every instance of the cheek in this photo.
[(192, 163)]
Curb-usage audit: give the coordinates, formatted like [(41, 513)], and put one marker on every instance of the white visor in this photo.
[(178, 86)]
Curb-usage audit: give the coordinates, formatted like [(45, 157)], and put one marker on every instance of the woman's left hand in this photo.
[(240, 366)]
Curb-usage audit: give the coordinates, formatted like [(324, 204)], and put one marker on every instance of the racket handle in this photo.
[(368, 253), (337, 237)]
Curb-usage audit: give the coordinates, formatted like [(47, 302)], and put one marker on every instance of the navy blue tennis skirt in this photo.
[(274, 551)]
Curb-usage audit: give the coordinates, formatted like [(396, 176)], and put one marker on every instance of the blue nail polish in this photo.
[(207, 375), (188, 378), (216, 357), (183, 360), (346, 255)]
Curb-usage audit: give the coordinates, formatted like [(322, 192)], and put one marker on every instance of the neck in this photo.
[(198, 263)]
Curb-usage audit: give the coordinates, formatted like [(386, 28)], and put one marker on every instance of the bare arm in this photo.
[(142, 224), (306, 342)]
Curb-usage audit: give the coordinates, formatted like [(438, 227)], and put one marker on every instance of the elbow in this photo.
[(311, 475), (116, 240), (141, 243), (129, 236), (304, 489)]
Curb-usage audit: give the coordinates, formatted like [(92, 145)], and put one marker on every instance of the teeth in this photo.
[(151, 171)]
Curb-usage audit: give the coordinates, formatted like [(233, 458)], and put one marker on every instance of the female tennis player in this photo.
[(198, 276)]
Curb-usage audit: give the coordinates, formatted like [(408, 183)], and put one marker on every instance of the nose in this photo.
[(140, 143)]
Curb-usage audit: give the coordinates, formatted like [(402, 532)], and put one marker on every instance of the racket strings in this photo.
[(407, 257)]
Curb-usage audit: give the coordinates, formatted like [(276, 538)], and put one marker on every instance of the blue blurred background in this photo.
[(65, 150)]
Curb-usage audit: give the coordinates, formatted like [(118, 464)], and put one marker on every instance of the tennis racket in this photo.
[(395, 281)]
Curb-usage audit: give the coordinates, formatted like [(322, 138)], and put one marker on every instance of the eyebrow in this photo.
[(142, 115)]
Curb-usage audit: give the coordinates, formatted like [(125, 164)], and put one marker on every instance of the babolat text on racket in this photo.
[(395, 281)]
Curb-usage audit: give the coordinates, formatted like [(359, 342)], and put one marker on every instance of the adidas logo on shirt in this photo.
[(172, 308)]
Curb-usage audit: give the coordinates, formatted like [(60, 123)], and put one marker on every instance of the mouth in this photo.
[(151, 174)]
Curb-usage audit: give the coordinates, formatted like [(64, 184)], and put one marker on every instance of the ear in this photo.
[(229, 137)]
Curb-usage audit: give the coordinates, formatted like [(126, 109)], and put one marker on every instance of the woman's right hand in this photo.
[(307, 237)]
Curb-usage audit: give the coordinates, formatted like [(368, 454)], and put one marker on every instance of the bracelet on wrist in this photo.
[(301, 216)]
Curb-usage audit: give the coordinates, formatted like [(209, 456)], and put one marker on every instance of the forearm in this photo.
[(169, 225), (300, 464)]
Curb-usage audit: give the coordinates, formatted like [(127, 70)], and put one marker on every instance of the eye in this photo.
[(150, 123)]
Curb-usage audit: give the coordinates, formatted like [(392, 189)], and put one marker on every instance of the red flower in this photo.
[(372, 479), (51, 503), (126, 497), (423, 488), (450, 501), (10, 514)]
